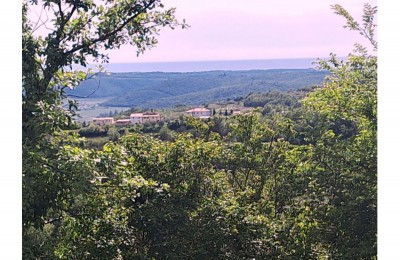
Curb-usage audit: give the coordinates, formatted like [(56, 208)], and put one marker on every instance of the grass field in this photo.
[(90, 108)]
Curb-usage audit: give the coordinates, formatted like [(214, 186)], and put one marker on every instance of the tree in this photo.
[(54, 167), (113, 134), (344, 164), (165, 134)]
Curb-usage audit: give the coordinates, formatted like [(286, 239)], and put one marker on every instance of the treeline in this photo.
[(272, 98)]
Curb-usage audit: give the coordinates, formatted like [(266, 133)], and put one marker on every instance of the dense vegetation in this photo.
[(160, 90), (294, 185)]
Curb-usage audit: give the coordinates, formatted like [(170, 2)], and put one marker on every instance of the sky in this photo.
[(257, 29), (260, 29)]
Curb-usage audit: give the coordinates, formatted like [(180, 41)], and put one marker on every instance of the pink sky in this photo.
[(257, 29)]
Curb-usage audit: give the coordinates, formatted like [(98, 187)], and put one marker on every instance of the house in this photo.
[(103, 121), (200, 112), (141, 118), (122, 122), (236, 112), (151, 117)]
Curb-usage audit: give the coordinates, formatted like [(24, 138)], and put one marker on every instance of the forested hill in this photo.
[(161, 89)]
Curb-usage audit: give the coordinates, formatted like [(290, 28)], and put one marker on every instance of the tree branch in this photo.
[(107, 35), (39, 19), (75, 96), (60, 10), (36, 27), (65, 20)]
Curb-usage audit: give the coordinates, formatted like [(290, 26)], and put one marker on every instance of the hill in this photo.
[(166, 89)]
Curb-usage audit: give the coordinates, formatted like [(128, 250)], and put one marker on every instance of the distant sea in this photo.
[(193, 66)]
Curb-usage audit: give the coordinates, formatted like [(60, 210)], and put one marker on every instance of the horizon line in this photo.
[(183, 61)]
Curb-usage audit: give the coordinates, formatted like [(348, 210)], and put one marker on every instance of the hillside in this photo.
[(160, 89)]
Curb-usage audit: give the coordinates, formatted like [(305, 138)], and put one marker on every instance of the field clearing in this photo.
[(91, 101), (90, 108), (88, 115)]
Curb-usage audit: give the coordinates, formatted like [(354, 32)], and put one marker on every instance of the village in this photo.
[(154, 117)]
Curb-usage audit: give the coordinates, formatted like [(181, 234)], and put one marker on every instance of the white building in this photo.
[(141, 118), (236, 112), (122, 122), (200, 112), (103, 121)]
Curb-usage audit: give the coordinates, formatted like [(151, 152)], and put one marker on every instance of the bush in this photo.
[(93, 131)]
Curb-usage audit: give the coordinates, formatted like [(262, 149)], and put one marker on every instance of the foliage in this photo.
[(299, 185), (165, 134), (270, 98), (93, 131), (348, 164), (113, 134), (367, 29), (55, 168)]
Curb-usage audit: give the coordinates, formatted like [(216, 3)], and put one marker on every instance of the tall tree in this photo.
[(78, 32), (345, 163)]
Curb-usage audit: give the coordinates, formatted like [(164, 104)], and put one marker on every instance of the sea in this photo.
[(197, 66)]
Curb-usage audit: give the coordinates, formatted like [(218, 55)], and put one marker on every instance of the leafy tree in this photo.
[(54, 167), (219, 125), (113, 134), (346, 162), (93, 131), (165, 134), (144, 209)]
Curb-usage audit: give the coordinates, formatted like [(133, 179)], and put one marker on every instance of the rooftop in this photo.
[(103, 118), (199, 109), (144, 114)]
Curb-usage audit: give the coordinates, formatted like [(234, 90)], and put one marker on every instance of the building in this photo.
[(236, 112), (103, 121), (151, 117), (200, 112), (122, 122), (141, 118)]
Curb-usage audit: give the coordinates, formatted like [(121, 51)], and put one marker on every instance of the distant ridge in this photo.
[(196, 66), (167, 89)]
